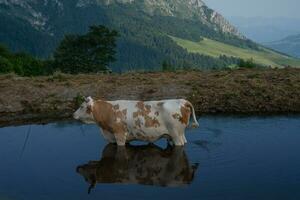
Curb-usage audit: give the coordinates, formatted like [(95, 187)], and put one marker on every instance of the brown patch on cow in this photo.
[(121, 114), (107, 117), (138, 123), (140, 105), (160, 104), (151, 122), (184, 116), (144, 111)]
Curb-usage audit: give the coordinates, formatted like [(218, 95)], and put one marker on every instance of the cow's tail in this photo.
[(195, 123)]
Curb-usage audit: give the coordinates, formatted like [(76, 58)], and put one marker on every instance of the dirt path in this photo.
[(235, 92)]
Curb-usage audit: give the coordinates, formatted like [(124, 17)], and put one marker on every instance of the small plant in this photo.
[(59, 76), (78, 100), (250, 64), (167, 67)]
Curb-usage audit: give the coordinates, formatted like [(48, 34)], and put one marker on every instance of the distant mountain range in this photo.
[(263, 30), (150, 31), (289, 45)]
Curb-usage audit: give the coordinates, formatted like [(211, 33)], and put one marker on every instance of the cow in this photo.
[(123, 121), (143, 164)]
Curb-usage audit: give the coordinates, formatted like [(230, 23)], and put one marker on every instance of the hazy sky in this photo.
[(254, 8)]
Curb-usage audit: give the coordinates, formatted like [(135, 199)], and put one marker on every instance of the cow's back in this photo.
[(149, 120)]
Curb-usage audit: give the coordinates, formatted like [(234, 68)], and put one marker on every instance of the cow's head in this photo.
[(85, 111)]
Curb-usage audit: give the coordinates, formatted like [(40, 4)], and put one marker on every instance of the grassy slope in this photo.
[(215, 49)]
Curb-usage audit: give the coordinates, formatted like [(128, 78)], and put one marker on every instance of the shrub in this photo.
[(5, 65), (27, 65), (21, 64), (167, 67), (88, 53), (247, 63), (78, 100)]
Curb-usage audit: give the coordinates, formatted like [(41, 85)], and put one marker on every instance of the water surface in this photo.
[(226, 158)]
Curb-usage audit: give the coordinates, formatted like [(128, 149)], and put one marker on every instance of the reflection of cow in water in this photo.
[(147, 165)]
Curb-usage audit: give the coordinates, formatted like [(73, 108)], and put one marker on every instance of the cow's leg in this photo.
[(177, 140), (184, 138), (108, 136), (177, 136), (121, 154), (121, 138)]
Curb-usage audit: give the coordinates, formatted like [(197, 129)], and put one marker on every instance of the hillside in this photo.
[(215, 49), (289, 45), (144, 26)]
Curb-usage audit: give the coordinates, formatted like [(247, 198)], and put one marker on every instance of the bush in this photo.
[(247, 63), (88, 53), (78, 100), (26, 65), (20, 63), (5, 65), (167, 67)]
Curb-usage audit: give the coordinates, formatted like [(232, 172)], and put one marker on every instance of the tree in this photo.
[(5, 65), (167, 66), (247, 63), (89, 53), (22, 64), (27, 65)]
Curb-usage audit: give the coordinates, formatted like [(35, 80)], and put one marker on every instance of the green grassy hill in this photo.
[(37, 27), (214, 48)]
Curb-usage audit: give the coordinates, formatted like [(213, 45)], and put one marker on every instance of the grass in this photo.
[(214, 48), (240, 91)]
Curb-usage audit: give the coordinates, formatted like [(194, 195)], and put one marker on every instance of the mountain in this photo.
[(289, 45), (147, 29), (263, 29)]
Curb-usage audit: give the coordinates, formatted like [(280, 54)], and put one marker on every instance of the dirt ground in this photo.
[(244, 91)]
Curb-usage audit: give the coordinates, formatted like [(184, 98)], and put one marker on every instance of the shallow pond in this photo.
[(226, 158)]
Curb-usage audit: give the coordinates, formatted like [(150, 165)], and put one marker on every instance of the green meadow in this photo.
[(214, 48)]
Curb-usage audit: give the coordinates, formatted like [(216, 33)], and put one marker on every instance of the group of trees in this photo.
[(20, 63), (89, 53), (94, 51), (145, 42), (249, 63)]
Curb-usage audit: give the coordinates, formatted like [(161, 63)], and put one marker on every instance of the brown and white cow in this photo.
[(123, 121)]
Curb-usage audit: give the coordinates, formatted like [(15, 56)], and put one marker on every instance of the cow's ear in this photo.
[(88, 99)]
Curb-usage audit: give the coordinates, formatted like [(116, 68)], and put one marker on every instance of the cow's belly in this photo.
[(147, 134)]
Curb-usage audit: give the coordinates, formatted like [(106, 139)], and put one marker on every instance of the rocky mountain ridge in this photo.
[(33, 11)]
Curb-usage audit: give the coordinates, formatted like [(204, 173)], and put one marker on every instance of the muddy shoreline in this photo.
[(242, 92)]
